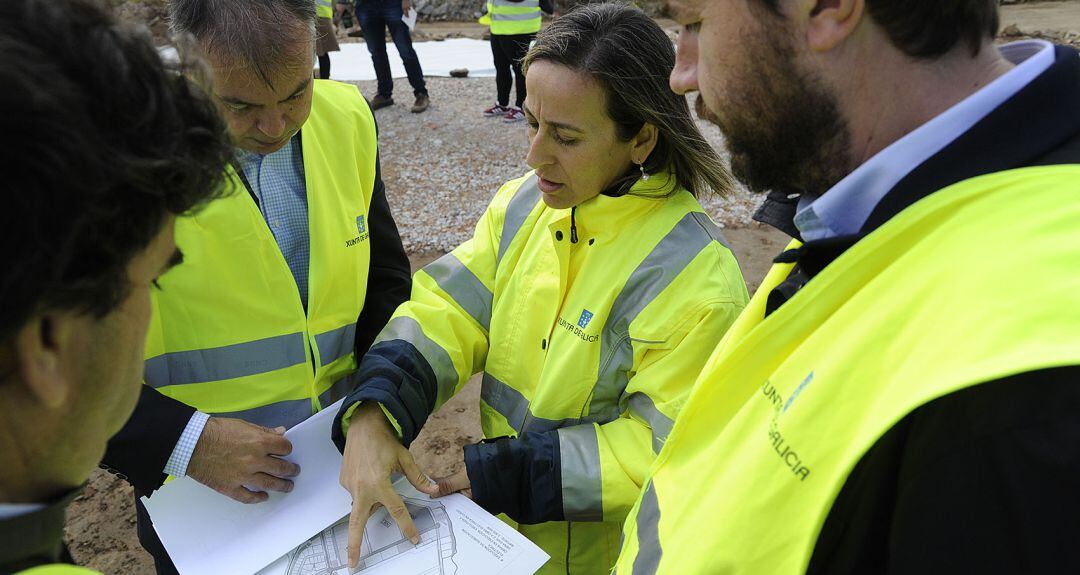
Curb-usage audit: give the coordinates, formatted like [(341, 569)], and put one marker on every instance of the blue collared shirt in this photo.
[(277, 179), (844, 209)]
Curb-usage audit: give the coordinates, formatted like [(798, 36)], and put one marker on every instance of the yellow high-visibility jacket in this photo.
[(229, 333), (790, 403), (589, 325)]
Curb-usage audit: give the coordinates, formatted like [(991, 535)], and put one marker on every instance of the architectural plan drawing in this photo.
[(326, 553)]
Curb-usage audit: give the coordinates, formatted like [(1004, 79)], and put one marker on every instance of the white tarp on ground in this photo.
[(353, 62), (436, 59)]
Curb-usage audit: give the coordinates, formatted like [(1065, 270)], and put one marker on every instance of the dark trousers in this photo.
[(508, 51), (148, 538), (375, 17)]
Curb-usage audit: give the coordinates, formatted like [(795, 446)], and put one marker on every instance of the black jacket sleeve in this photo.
[(982, 480), (390, 277), (141, 449), (521, 477), (394, 374)]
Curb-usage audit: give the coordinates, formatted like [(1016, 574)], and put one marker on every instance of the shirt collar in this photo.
[(844, 208)]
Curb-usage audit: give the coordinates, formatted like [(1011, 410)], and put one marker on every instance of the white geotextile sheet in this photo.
[(353, 62)]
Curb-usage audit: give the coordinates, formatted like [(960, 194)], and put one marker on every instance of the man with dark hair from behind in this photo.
[(289, 277), (104, 147)]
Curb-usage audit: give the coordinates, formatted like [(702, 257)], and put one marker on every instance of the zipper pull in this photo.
[(573, 226)]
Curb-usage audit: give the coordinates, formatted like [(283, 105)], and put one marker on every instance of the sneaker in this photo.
[(380, 101), (496, 111), (421, 103), (513, 115)]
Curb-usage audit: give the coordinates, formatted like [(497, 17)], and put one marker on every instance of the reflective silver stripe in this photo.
[(582, 490), (500, 17), (227, 362), (517, 211), (522, 4), (324, 3), (338, 390), (407, 329), (661, 424), (655, 273), (711, 228), (287, 413), (336, 343), (461, 283), (290, 412), (515, 408), (648, 536)]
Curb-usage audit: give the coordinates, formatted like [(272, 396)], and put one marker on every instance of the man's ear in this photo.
[(644, 143), (39, 349), (830, 22)]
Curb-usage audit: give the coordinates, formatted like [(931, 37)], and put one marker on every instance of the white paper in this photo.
[(305, 532), (208, 533), (457, 537), (410, 19)]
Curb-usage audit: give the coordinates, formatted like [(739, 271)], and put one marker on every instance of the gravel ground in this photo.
[(442, 167)]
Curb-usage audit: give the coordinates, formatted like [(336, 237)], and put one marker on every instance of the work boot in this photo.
[(421, 103), (380, 101)]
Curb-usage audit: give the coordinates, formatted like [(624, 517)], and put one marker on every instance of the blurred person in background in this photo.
[(105, 147), (375, 18), (325, 36), (514, 24), (590, 296)]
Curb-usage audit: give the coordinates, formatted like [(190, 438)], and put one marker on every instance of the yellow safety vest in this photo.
[(324, 9), (58, 569), (229, 334), (597, 335), (790, 403), (509, 18)]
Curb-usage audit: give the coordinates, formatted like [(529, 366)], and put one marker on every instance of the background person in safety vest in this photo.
[(901, 395), (104, 149), (298, 266), (514, 24), (591, 294), (325, 36)]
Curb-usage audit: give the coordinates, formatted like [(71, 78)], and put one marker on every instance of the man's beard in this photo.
[(783, 128)]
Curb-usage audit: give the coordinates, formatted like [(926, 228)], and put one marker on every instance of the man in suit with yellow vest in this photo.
[(901, 395), (105, 147), (288, 278)]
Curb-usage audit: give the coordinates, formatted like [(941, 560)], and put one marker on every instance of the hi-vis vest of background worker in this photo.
[(229, 334), (324, 8), (508, 18), (789, 404), (589, 324)]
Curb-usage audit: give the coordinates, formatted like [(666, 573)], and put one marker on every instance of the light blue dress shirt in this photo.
[(844, 209), (277, 180)]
